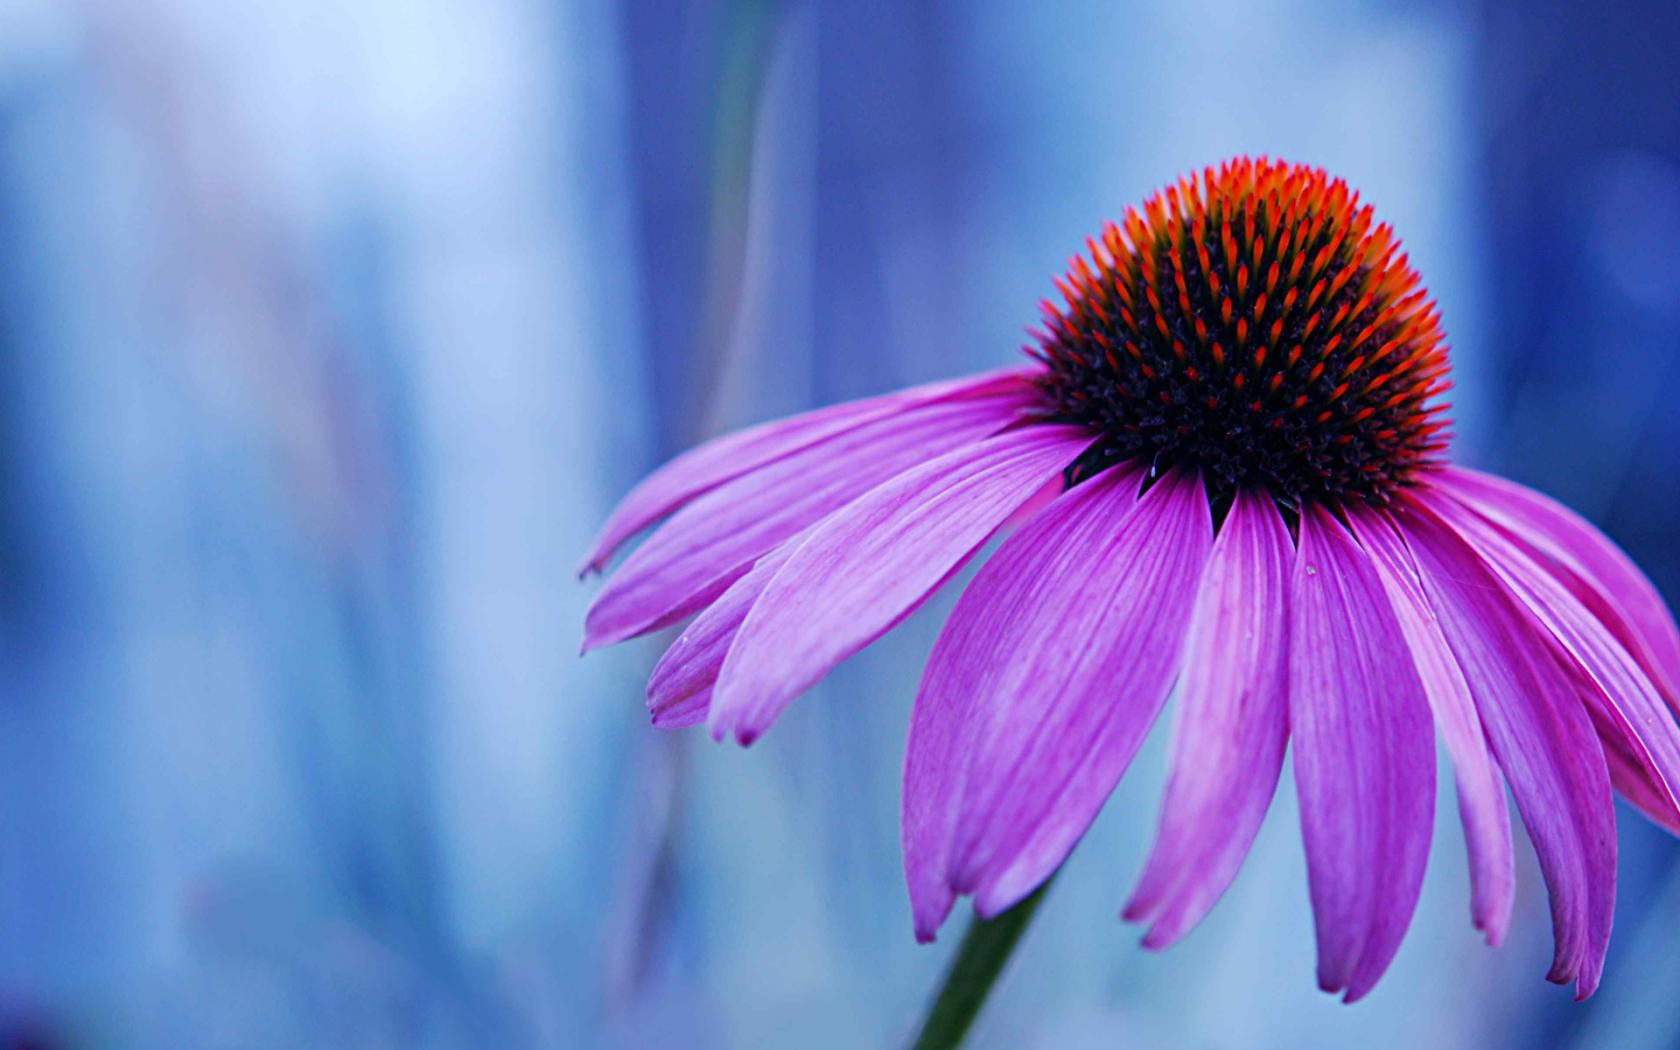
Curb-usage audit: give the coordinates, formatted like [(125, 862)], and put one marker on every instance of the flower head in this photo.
[(1221, 478), (1252, 323)]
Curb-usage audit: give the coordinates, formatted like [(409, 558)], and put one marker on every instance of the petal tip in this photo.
[(1361, 986), (596, 560), (598, 634), (1493, 933), (730, 724), (1332, 982), (1004, 890), (1158, 938), (1586, 983), (594, 639), (927, 915), (666, 719)]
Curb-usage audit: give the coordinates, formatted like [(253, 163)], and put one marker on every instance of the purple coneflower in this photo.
[(1223, 470)]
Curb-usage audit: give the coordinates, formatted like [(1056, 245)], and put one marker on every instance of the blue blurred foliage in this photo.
[(329, 332)]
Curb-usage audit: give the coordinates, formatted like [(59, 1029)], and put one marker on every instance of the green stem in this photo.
[(985, 948)]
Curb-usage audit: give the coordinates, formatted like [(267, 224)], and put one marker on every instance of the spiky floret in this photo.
[(1254, 323)]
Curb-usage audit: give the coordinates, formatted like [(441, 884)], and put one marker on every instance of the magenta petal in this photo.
[(1230, 727), (682, 712), (1586, 561), (1481, 793), (1364, 757), (1623, 700), (712, 542), (868, 566), (1635, 783), (680, 688), (1053, 665), (1539, 732), (707, 466)]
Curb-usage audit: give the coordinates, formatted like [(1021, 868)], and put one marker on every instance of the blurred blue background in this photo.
[(329, 332)]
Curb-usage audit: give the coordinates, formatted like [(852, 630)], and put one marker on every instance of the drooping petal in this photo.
[(701, 469), (1051, 669), (1586, 561), (680, 688), (1481, 792), (1364, 756), (866, 567), (1230, 727), (714, 540), (1623, 701), (680, 712), (1539, 732), (1632, 779)]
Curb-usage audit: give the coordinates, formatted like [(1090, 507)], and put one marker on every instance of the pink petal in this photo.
[(703, 468), (869, 565), (680, 688), (1622, 699), (1231, 724), (683, 711), (1594, 569), (1481, 793), (1635, 783), (1364, 757), (1539, 732), (712, 542), (1053, 665)]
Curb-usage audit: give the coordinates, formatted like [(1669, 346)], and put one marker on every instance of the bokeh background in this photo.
[(330, 331)]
